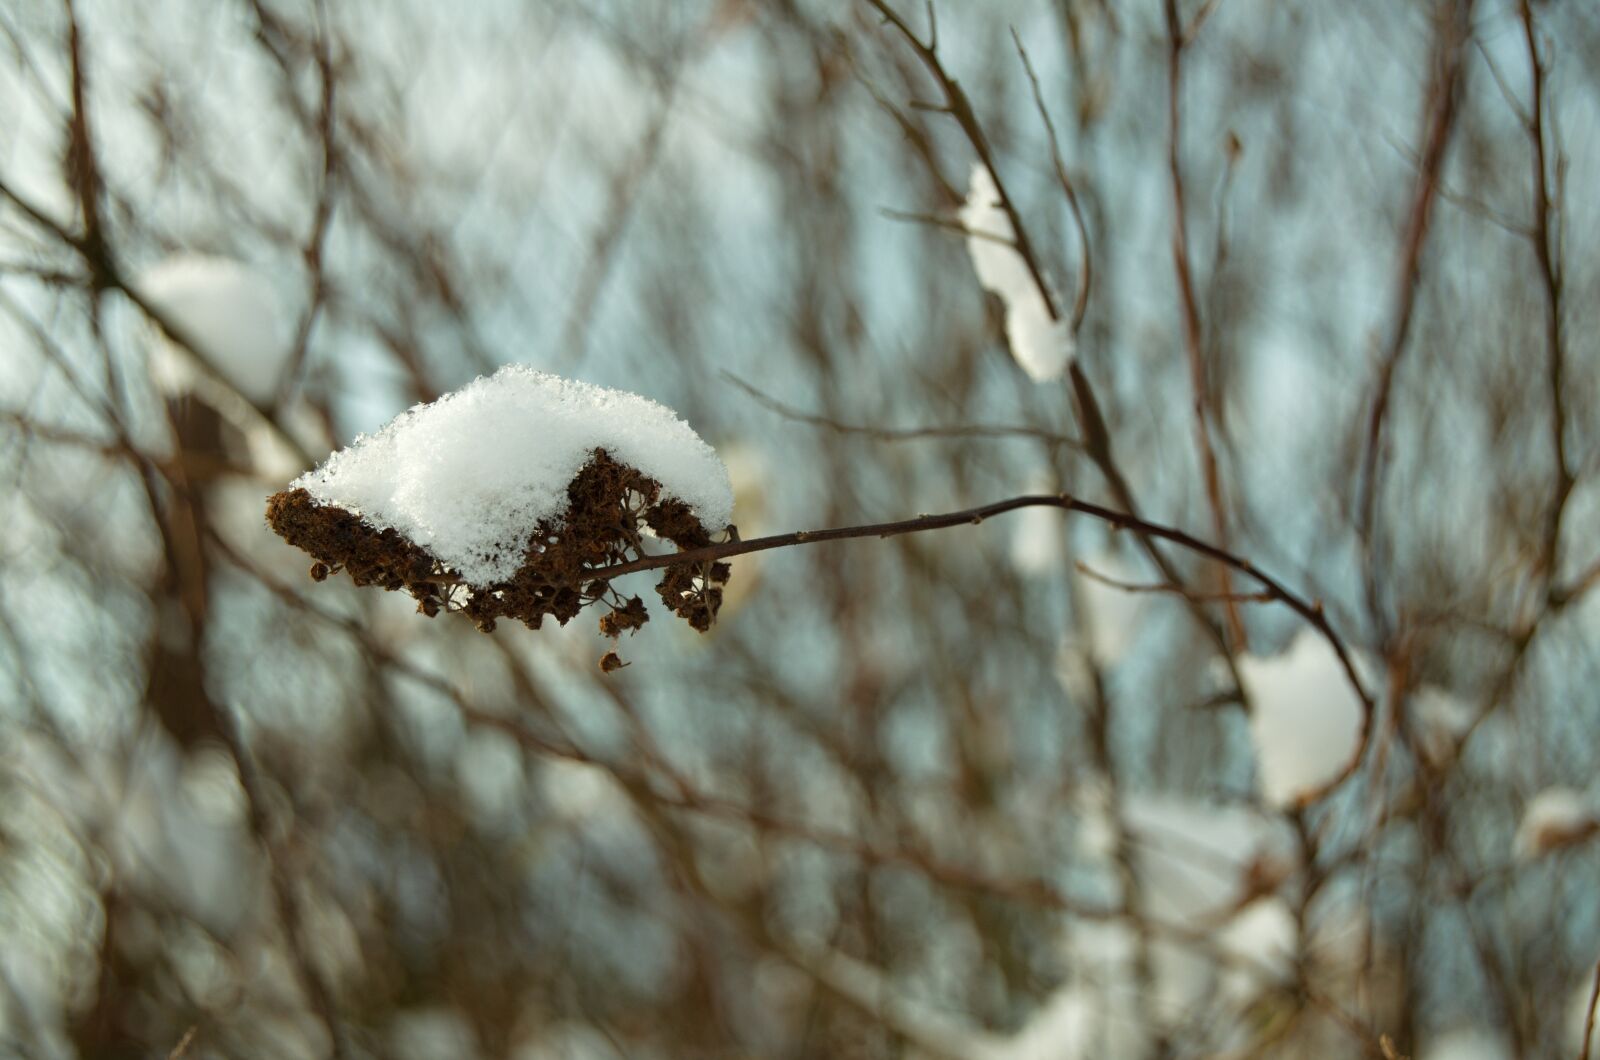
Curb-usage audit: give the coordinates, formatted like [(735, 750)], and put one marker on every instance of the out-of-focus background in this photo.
[(988, 792)]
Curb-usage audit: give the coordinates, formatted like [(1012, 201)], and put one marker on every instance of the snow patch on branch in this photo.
[(1305, 718), (229, 312), (1555, 818), (1041, 344)]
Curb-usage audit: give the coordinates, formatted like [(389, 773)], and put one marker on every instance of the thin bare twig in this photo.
[(1312, 612), (1588, 1020), (322, 218), (318, 992), (1164, 587), (1080, 304), (902, 434), (1440, 124), (1096, 436), (1424, 192), (1551, 277), (1190, 315), (182, 1048)]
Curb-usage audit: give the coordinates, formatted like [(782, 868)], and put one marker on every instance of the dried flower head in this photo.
[(610, 506), (513, 498)]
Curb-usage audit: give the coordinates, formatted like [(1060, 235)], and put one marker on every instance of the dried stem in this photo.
[(318, 992), (1546, 251), (1312, 612), (1588, 1021), (1190, 313), (1444, 99), (1096, 436)]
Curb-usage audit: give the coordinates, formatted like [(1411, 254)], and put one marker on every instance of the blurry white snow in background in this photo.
[(1038, 542), (1466, 1043), (1201, 867), (1111, 613), (226, 309), (1107, 622), (1555, 818), (1041, 345), (1305, 717)]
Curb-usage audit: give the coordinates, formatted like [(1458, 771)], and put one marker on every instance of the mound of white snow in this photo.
[(469, 475), (229, 312), (1305, 718)]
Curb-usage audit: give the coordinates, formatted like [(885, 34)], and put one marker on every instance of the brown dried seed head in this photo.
[(607, 503), (611, 662), (631, 616)]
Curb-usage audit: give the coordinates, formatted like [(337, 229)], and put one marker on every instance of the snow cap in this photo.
[(468, 476)]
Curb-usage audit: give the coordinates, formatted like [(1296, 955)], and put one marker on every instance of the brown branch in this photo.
[(1096, 436), (959, 107), (901, 434), (102, 264), (1588, 1021), (1550, 275), (1080, 304), (1441, 121), (321, 221), (315, 985), (1313, 613), (1166, 587), (83, 168), (1190, 316)]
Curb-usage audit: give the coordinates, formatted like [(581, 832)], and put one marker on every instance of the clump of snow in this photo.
[(1440, 720), (1112, 613), (1201, 867), (1108, 622), (229, 312), (468, 476), (1555, 818), (1305, 718), (1041, 344), (1038, 544), (1466, 1043), (1195, 860), (1066, 1025)]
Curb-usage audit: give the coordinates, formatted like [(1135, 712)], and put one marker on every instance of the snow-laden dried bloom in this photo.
[(508, 497)]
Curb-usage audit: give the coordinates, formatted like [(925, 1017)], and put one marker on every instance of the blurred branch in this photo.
[(1588, 1019), (1312, 613), (318, 992), (1132, 587), (1080, 304), (901, 434), (108, 274), (1096, 436), (322, 217), (1193, 344), (1443, 100), (1547, 253)]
